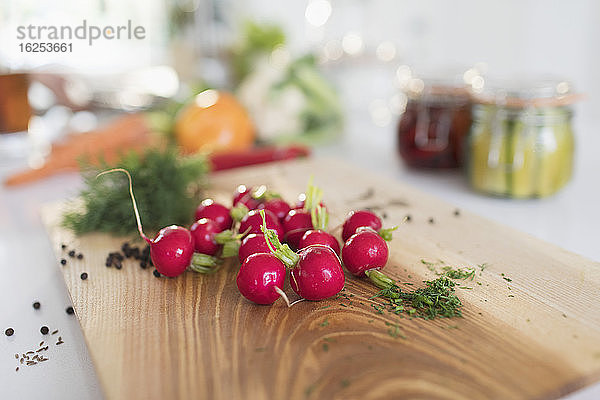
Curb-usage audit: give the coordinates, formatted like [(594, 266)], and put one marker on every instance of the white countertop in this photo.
[(30, 271)]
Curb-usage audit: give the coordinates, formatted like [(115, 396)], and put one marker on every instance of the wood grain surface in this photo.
[(195, 336)]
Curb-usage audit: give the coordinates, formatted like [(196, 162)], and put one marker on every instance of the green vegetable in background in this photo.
[(166, 186), (255, 40)]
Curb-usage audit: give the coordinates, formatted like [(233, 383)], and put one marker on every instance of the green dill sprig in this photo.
[(166, 187)]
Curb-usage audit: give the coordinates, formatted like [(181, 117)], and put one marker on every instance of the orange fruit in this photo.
[(214, 122)]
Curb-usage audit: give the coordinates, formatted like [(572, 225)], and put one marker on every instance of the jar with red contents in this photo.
[(435, 123)]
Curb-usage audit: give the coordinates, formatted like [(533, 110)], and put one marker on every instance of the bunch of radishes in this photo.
[(315, 269), (271, 237)]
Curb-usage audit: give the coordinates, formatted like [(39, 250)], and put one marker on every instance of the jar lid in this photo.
[(421, 82), (522, 93)]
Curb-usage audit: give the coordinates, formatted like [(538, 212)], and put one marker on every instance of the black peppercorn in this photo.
[(156, 273), (72, 253), (84, 276), (408, 218), (9, 332), (63, 246), (143, 264), (63, 261), (70, 310), (118, 264), (79, 256), (36, 305), (44, 329), (456, 212)]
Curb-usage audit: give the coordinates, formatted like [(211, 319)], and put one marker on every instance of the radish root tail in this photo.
[(135, 209), (282, 294)]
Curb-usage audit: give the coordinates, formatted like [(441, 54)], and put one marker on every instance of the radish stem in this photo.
[(381, 280), (386, 233), (282, 251), (205, 264), (135, 209)]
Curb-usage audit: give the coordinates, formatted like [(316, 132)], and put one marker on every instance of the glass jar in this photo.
[(521, 142), (436, 121)]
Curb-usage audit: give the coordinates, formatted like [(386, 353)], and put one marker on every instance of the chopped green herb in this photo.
[(461, 273), (429, 265), (325, 307), (395, 331), (329, 340), (325, 347), (345, 383), (436, 299), (324, 323)]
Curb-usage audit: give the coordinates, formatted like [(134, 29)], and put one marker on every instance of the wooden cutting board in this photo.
[(536, 336)]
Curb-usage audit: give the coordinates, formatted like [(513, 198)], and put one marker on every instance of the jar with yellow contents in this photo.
[(521, 142)]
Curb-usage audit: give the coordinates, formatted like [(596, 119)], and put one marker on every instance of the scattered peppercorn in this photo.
[(118, 264), (431, 220), (72, 253), (156, 273), (456, 212), (70, 310), (63, 246), (84, 276), (36, 305), (44, 329), (108, 262), (63, 261), (79, 256), (9, 332), (408, 218)]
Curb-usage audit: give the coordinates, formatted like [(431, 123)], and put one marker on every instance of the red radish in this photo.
[(277, 206), (172, 249), (252, 222), (295, 224), (216, 212), (318, 273), (252, 244), (356, 219), (363, 251), (320, 237), (243, 195), (261, 278), (203, 232)]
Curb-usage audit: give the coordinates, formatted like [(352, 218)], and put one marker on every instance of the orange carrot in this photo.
[(129, 132)]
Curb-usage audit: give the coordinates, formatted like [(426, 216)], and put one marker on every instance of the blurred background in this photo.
[(496, 97)]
